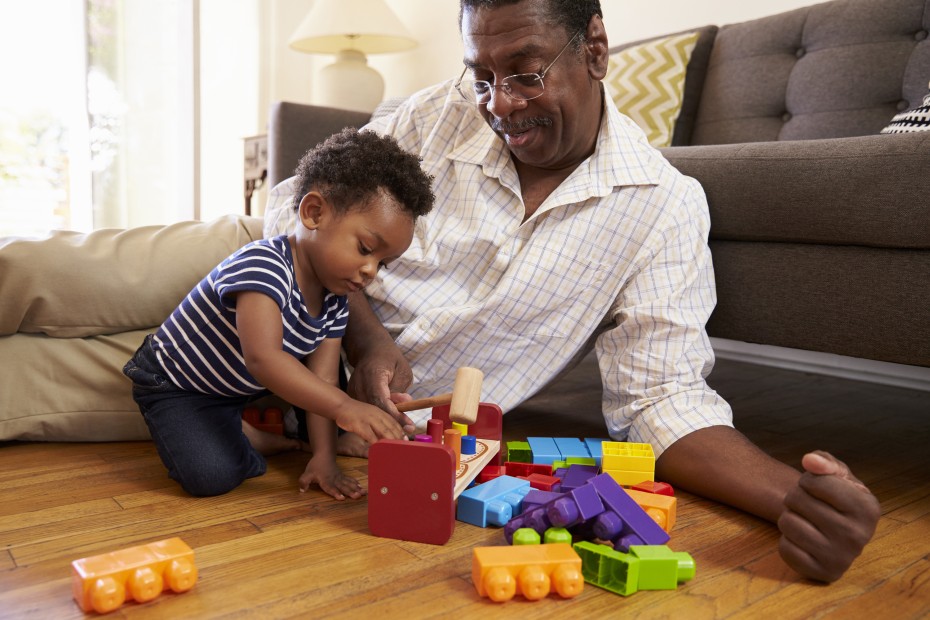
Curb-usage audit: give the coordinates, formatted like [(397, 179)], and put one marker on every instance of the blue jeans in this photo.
[(198, 436)]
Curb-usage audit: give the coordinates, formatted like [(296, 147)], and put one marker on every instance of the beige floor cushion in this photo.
[(74, 308)]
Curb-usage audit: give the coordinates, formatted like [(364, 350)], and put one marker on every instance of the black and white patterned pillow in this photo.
[(910, 121)]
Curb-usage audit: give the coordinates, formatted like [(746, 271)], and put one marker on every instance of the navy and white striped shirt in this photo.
[(198, 346)]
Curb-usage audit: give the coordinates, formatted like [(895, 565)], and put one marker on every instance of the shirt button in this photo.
[(800, 52)]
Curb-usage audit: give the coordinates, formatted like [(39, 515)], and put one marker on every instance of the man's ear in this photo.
[(312, 209), (596, 47)]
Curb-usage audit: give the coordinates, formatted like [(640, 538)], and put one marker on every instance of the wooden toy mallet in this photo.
[(462, 400)]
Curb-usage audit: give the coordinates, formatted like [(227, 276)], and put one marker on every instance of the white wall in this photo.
[(439, 54)]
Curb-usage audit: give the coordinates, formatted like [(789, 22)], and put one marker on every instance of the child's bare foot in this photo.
[(268, 443), (350, 444)]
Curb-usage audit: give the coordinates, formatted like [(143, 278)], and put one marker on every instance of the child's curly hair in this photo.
[(350, 166)]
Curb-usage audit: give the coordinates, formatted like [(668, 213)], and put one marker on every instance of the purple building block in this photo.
[(577, 475), (574, 507), (624, 522), (537, 497)]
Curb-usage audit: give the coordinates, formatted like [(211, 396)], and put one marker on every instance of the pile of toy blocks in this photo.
[(619, 534)]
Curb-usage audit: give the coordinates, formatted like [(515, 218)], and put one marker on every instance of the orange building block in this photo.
[(103, 582), (662, 508), (531, 570)]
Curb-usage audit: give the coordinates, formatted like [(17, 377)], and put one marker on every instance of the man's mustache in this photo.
[(528, 123)]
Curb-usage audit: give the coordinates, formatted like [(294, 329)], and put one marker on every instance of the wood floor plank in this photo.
[(905, 595)]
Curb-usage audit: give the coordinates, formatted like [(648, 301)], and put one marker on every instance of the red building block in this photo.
[(271, 420), (651, 486)]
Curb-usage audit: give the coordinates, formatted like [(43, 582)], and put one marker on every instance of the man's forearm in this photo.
[(720, 463), (364, 329)]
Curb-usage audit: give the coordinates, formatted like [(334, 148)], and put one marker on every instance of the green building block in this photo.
[(556, 535), (580, 460), (607, 568), (526, 536), (519, 452), (660, 568)]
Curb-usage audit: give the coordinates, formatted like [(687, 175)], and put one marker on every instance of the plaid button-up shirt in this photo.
[(616, 256)]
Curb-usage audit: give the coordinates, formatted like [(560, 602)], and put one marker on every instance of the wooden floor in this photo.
[(266, 551)]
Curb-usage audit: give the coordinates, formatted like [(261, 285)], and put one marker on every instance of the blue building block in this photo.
[(544, 450), (494, 502), (594, 449), (571, 447)]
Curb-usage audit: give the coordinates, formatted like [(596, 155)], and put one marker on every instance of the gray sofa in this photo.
[(820, 227)]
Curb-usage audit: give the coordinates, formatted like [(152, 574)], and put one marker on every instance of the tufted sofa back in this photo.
[(832, 70)]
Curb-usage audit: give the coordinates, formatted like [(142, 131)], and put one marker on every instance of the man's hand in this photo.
[(828, 519), (376, 376)]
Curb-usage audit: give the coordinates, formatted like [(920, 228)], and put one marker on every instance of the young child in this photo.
[(270, 319)]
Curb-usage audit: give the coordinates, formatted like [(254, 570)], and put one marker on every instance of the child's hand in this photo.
[(330, 478), (828, 518), (368, 422)]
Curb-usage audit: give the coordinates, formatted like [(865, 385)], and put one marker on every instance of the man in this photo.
[(556, 225)]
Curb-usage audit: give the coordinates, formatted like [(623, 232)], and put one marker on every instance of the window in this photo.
[(100, 122)]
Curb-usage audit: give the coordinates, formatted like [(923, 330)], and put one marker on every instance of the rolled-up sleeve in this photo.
[(655, 355)]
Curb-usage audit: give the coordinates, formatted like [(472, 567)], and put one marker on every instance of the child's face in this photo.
[(346, 250)]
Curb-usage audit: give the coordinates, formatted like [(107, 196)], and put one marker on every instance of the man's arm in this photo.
[(654, 361), (826, 516), (380, 371)]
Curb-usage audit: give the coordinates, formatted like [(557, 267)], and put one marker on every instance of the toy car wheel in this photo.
[(107, 594), (568, 581), (181, 575), (499, 585), (145, 584), (534, 583)]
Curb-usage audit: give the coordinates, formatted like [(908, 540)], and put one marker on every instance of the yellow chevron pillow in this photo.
[(647, 82)]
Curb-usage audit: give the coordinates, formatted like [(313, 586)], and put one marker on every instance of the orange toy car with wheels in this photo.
[(103, 582)]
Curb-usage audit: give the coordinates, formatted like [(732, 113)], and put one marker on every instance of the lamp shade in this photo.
[(368, 26)]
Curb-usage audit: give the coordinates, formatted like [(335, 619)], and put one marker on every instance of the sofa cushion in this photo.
[(69, 389), (74, 285), (831, 70), (833, 192), (646, 82)]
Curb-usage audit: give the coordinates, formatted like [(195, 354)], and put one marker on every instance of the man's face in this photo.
[(559, 128)]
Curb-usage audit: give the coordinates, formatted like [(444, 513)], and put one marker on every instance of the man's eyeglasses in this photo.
[(520, 87)]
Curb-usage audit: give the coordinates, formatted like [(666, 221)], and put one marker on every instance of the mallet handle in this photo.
[(425, 403)]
